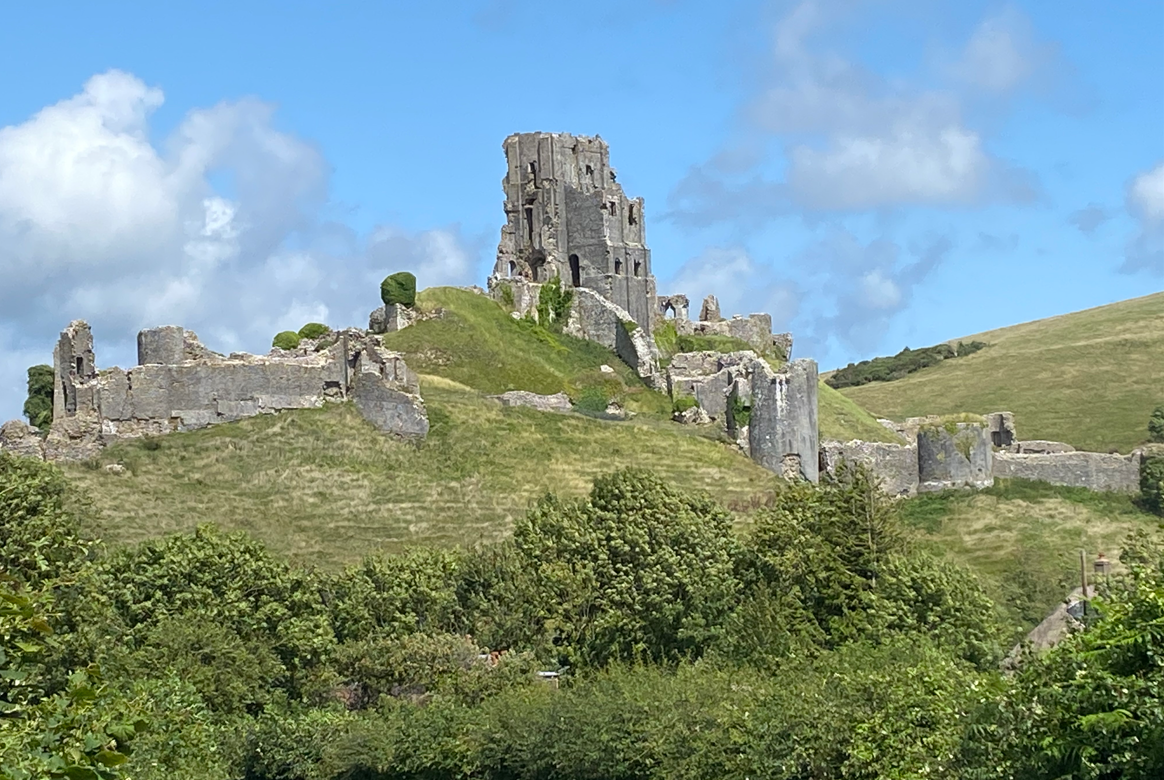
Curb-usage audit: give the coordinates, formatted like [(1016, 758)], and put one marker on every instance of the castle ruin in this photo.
[(180, 385), (567, 216)]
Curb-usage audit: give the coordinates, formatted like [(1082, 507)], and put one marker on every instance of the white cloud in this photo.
[(854, 140), (1001, 54), (100, 223), (910, 164), (1145, 252), (1146, 195)]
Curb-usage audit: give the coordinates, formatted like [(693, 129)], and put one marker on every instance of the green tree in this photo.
[(638, 570), (1093, 706), (399, 289), (40, 538), (77, 731), (38, 408)]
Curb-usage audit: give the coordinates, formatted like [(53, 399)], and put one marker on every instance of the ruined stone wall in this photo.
[(954, 455), (567, 216), (895, 465), (782, 433), (1092, 470), (181, 385)]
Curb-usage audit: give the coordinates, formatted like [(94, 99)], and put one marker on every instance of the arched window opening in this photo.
[(617, 266), (575, 271)]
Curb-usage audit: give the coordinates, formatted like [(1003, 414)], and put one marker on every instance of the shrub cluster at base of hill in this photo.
[(820, 643), (886, 369)]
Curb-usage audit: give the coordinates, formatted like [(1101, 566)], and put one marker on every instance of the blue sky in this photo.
[(874, 174)]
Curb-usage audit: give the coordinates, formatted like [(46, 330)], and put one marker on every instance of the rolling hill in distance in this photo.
[(1090, 378)]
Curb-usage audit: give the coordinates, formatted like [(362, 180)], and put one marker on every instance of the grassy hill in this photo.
[(1090, 378), (323, 486)]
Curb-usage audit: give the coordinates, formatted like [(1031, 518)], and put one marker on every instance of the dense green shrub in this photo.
[(313, 330), (682, 403), (396, 595), (1155, 422), (592, 399), (399, 289), (885, 369), (38, 407), (1092, 706), (40, 538), (287, 339), (639, 570), (1152, 479), (554, 304)]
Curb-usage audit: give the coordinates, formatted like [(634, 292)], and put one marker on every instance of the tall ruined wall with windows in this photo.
[(566, 215)]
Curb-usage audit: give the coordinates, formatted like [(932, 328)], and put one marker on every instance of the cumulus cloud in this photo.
[(1001, 55), (1145, 201), (854, 140), (1088, 219), (99, 222)]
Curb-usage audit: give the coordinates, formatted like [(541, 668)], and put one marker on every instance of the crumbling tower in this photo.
[(567, 216)]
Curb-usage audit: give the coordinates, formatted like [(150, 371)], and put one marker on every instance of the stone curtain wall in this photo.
[(1092, 470), (181, 386), (965, 454)]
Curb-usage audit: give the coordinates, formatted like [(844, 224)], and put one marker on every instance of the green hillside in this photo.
[(323, 486), (1090, 378)]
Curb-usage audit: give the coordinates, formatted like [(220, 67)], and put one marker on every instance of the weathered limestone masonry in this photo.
[(755, 329), (954, 454), (567, 216), (782, 432), (182, 385), (894, 464), (970, 454), (1092, 470)]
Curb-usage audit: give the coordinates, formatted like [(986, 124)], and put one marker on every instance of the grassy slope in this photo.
[(1090, 378), (840, 418), (1025, 537), (477, 344), (323, 486)]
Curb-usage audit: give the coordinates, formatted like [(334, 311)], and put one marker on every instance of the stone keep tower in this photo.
[(566, 216)]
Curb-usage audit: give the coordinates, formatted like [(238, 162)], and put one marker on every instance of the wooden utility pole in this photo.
[(1083, 571)]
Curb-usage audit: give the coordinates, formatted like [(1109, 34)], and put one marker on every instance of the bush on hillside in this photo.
[(592, 399), (399, 289), (38, 408), (1152, 480), (886, 369), (288, 339), (313, 330), (554, 304), (637, 571), (1155, 422)]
